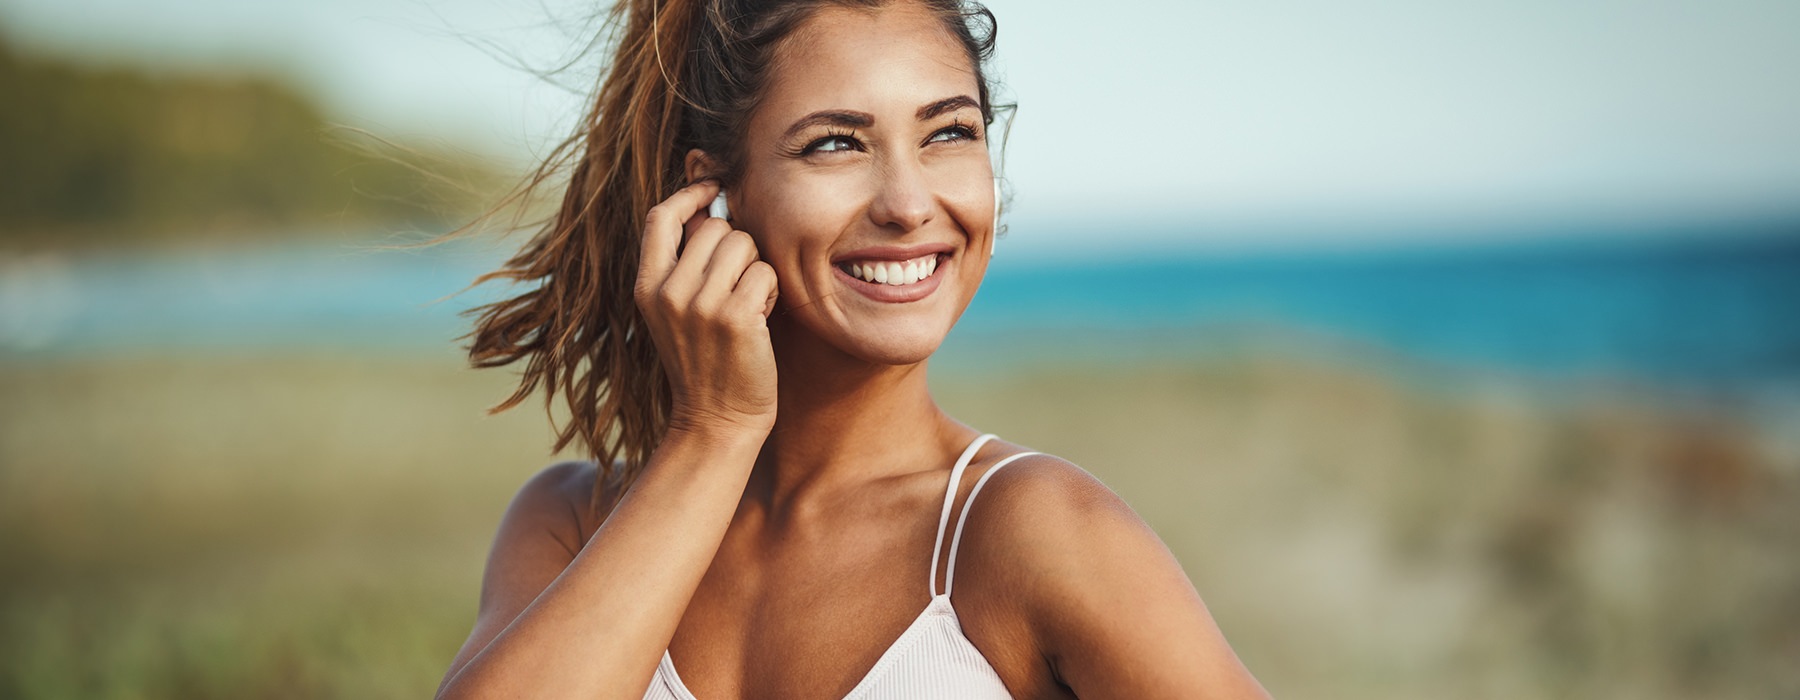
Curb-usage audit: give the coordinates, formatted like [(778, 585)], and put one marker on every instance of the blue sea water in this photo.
[(1715, 310), (1721, 310)]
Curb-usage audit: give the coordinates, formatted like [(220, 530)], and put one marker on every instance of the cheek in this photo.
[(795, 223), (800, 212), (966, 187), (811, 204)]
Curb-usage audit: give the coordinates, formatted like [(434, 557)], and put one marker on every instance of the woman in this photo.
[(776, 519)]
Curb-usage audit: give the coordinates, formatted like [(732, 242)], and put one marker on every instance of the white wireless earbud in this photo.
[(994, 236), (719, 209)]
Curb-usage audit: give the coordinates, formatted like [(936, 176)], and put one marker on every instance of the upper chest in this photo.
[(804, 609), (807, 612)]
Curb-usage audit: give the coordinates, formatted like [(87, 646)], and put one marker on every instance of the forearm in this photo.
[(599, 629)]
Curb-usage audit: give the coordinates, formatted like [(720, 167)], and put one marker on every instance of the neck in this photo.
[(843, 423)]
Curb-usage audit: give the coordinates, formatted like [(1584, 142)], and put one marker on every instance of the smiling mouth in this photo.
[(890, 272)]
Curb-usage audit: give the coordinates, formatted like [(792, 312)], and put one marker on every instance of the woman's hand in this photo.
[(707, 306), (562, 619)]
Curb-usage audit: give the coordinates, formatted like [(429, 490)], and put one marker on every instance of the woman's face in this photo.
[(867, 159)]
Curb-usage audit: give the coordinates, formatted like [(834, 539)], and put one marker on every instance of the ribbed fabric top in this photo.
[(932, 658)]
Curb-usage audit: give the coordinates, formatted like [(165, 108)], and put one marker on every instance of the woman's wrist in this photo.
[(733, 435)]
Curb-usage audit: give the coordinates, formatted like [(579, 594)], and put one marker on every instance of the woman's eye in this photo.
[(955, 133), (831, 144)]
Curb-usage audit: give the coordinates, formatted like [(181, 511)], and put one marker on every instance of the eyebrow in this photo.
[(947, 105), (831, 117), (864, 120)]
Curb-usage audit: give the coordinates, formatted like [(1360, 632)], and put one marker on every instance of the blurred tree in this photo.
[(90, 154)]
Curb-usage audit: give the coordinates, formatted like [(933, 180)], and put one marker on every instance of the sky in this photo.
[(1157, 122)]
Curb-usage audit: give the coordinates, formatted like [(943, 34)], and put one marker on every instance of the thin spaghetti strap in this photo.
[(956, 540), (949, 495)]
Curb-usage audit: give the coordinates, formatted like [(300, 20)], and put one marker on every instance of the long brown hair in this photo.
[(684, 74)]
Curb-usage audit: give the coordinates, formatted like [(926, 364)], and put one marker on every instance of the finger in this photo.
[(757, 288), (734, 253), (690, 228), (690, 269), (774, 294), (663, 228)]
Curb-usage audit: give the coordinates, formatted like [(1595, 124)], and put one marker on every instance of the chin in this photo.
[(905, 348), (911, 354)]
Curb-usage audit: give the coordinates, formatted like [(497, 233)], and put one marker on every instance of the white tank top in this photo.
[(932, 658)]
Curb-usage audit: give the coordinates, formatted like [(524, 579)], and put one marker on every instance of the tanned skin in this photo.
[(779, 539)]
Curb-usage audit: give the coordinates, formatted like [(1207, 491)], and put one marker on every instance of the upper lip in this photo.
[(893, 253)]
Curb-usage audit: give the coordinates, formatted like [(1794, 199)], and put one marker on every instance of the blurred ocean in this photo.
[(1719, 311), (1707, 312)]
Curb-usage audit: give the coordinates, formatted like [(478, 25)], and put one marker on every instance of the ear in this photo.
[(700, 166)]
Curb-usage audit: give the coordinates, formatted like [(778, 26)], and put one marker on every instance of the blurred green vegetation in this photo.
[(314, 526), (118, 155)]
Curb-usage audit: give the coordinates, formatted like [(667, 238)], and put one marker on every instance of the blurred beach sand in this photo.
[(314, 526)]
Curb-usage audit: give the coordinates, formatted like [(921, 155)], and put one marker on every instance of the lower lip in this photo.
[(892, 293)]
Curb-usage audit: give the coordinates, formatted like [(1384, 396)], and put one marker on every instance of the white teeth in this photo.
[(894, 273)]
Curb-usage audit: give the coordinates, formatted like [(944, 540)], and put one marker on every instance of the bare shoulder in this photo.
[(1042, 513), (543, 529), (1048, 487), (1106, 604), (557, 501)]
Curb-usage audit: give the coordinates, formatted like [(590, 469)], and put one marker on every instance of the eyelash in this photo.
[(966, 132), (830, 135)]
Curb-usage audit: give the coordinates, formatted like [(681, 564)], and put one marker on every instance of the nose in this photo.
[(903, 198)]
